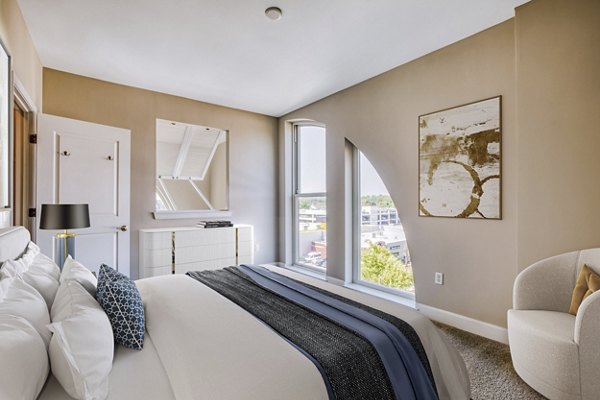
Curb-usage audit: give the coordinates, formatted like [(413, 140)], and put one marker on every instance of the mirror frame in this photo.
[(190, 214)]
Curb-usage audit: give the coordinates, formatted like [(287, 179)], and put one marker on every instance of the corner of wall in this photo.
[(26, 63)]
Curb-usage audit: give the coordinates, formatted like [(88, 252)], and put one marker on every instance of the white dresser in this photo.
[(178, 250)]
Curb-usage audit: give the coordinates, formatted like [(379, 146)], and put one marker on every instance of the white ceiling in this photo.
[(227, 52)]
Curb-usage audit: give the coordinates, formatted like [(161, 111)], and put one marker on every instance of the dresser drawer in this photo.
[(245, 260), (156, 240), (204, 253), (157, 258), (245, 234), (204, 237), (244, 248)]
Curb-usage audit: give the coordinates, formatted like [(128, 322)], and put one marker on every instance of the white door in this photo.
[(81, 162)]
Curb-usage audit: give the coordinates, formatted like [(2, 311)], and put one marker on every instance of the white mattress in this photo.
[(199, 345)]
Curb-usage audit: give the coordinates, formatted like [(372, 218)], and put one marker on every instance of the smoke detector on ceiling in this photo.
[(274, 13)]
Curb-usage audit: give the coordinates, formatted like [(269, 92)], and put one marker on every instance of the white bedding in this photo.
[(135, 375), (200, 345)]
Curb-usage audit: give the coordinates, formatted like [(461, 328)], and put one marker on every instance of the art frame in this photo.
[(6, 121), (460, 161)]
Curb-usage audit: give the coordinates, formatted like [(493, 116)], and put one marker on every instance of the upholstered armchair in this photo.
[(556, 353)]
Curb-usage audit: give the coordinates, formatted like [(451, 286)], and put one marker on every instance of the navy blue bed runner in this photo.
[(362, 353)]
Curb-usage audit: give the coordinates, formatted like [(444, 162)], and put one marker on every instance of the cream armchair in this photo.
[(556, 353)]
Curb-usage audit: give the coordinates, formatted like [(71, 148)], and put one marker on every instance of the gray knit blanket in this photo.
[(361, 353)]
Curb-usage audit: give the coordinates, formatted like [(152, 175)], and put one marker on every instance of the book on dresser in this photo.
[(178, 250), (214, 224)]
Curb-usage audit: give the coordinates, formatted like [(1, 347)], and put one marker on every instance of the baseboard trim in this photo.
[(485, 329)]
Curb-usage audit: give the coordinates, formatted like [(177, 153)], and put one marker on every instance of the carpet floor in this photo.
[(490, 367)]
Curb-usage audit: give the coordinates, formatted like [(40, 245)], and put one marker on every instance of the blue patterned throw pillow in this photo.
[(105, 276), (121, 300)]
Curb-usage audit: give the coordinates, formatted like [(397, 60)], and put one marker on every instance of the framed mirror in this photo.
[(192, 171)]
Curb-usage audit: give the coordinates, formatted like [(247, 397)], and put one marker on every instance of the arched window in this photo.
[(381, 258)]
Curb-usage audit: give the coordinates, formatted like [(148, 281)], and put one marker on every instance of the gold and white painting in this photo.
[(460, 161)]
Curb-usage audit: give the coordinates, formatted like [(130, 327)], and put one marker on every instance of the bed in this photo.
[(200, 345)]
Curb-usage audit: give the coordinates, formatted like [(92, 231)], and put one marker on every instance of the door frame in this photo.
[(23, 100)]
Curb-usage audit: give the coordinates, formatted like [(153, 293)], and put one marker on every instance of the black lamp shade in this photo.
[(65, 216)]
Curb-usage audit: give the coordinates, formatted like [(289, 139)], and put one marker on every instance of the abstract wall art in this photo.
[(460, 161)]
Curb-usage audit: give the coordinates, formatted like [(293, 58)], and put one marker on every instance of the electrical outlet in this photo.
[(439, 278)]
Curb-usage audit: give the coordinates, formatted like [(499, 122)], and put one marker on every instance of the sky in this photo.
[(313, 165), (370, 182), (312, 159)]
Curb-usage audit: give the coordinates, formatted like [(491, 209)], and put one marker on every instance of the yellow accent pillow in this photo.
[(587, 283)]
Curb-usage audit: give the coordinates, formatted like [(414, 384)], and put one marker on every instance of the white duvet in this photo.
[(202, 346)]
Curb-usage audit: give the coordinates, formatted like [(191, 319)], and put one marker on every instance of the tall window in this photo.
[(382, 259), (310, 211)]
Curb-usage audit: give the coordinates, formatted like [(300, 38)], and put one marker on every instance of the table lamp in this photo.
[(64, 217)]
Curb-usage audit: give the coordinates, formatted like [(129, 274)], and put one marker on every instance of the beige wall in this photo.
[(558, 89), (218, 178), (545, 65), (380, 117), (253, 148), (26, 63)]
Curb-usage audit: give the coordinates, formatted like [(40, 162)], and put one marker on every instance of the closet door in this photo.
[(81, 162)]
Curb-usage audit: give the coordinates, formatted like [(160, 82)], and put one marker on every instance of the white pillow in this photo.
[(12, 268), (81, 349), (44, 263), (70, 298), (73, 270), (4, 285), (30, 253), (22, 300), (38, 277), (24, 362), (45, 284)]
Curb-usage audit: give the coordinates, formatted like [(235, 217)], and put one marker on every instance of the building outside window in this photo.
[(382, 259), (310, 209)]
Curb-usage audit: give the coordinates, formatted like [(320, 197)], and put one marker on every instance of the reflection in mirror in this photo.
[(191, 167)]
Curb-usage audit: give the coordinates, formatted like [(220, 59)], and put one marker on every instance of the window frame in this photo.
[(356, 233), (297, 196)]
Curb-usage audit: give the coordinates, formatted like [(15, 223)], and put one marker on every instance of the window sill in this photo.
[(383, 295), (307, 271), (301, 270), (408, 302)]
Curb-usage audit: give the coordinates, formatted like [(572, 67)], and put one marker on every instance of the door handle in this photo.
[(123, 228), (65, 153)]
